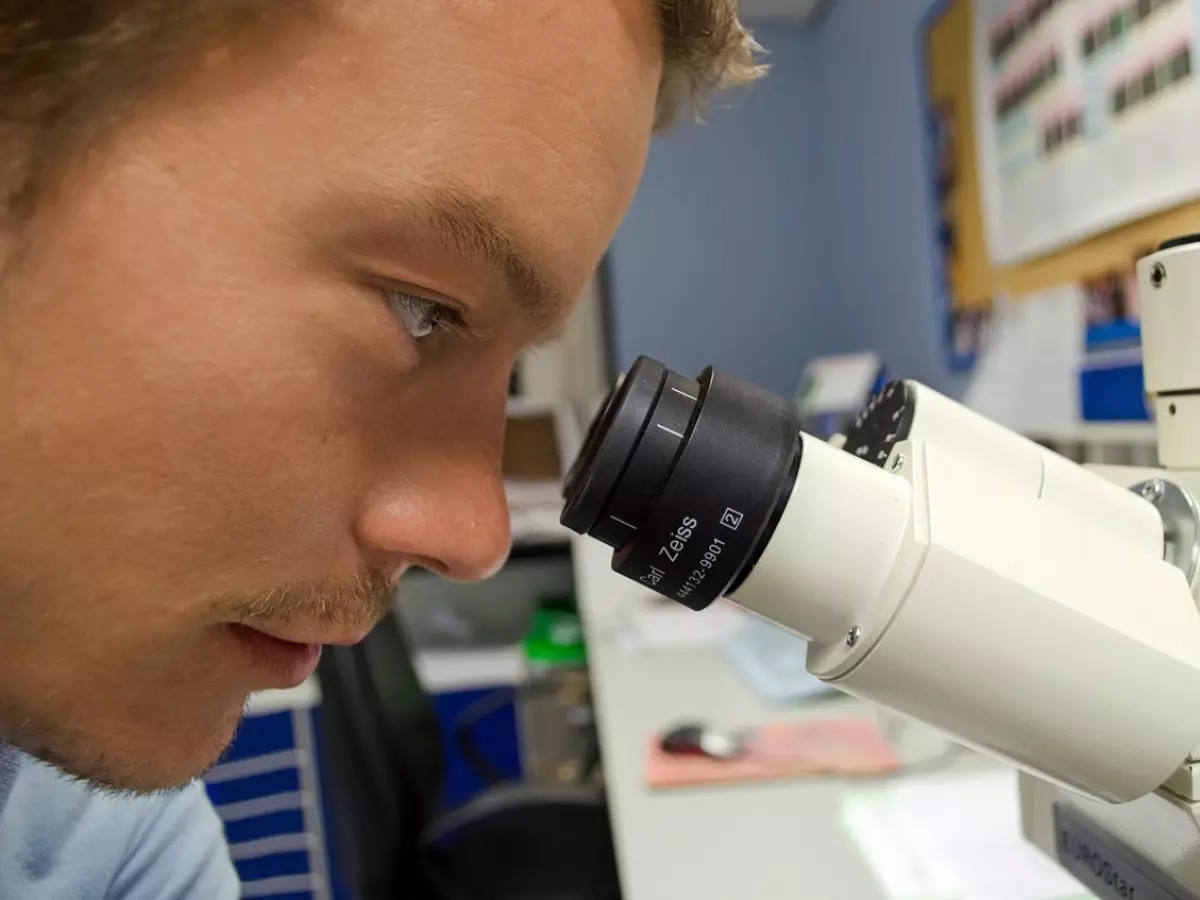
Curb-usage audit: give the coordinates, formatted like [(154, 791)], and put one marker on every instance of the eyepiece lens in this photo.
[(649, 465), (610, 440), (684, 478)]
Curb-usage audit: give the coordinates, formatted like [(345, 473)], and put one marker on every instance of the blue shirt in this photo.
[(61, 840)]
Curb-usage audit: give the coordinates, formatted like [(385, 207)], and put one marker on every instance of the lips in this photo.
[(281, 663)]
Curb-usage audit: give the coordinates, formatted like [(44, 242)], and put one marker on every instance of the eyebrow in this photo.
[(477, 228)]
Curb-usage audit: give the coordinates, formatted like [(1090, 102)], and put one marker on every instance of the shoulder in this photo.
[(61, 838)]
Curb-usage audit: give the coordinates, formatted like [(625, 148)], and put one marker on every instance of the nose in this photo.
[(436, 497), (451, 518)]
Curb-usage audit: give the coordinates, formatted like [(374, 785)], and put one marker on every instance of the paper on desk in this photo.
[(953, 838), (1027, 378), (809, 748), (673, 625), (880, 838)]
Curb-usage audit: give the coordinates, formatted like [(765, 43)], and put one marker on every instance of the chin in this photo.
[(165, 760)]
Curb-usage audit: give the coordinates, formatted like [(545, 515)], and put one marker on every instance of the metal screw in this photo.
[(854, 636), (898, 462), (1158, 275), (1152, 490)]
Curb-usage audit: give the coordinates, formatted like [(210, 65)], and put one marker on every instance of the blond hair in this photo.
[(71, 70), (705, 49)]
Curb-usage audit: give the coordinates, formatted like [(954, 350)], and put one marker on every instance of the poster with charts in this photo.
[(1087, 116)]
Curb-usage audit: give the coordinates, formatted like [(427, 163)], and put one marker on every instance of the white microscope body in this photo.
[(942, 566), (1038, 611)]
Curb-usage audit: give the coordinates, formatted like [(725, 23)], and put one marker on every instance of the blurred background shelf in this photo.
[(444, 670)]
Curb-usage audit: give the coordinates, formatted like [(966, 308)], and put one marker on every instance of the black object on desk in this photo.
[(698, 739)]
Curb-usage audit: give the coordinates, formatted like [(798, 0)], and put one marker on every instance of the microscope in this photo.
[(939, 565)]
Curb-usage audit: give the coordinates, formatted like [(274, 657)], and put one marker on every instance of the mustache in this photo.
[(355, 603)]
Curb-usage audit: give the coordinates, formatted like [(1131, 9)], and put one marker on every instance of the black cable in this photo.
[(493, 702), (464, 736)]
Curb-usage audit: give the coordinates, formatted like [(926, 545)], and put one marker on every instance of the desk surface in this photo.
[(770, 841)]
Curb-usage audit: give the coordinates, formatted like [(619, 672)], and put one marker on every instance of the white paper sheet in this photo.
[(671, 625), (1027, 378), (901, 873), (953, 837), (1131, 156)]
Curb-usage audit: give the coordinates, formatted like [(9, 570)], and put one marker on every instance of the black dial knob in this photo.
[(885, 421)]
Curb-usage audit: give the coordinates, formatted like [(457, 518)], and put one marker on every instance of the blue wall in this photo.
[(797, 222), (880, 210), (718, 259)]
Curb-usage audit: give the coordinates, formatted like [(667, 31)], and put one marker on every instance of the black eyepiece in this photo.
[(685, 478)]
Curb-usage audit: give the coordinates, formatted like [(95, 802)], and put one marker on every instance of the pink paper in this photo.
[(782, 750)]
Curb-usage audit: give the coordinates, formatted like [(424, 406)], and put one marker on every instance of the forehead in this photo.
[(540, 107)]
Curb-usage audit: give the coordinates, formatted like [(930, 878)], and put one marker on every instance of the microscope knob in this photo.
[(885, 421)]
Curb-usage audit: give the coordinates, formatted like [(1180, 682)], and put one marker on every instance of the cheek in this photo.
[(197, 479), (192, 418)]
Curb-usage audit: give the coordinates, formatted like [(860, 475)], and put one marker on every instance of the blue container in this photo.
[(1113, 394), (1111, 383)]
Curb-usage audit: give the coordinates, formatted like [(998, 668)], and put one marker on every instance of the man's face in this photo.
[(254, 354)]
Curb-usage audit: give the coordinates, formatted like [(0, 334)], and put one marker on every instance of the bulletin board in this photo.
[(1103, 261)]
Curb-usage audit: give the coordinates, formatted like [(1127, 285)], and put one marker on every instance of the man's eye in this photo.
[(422, 317)]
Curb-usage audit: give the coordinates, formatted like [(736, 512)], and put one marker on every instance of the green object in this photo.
[(555, 636)]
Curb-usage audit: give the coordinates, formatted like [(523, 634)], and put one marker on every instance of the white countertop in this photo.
[(775, 840)]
